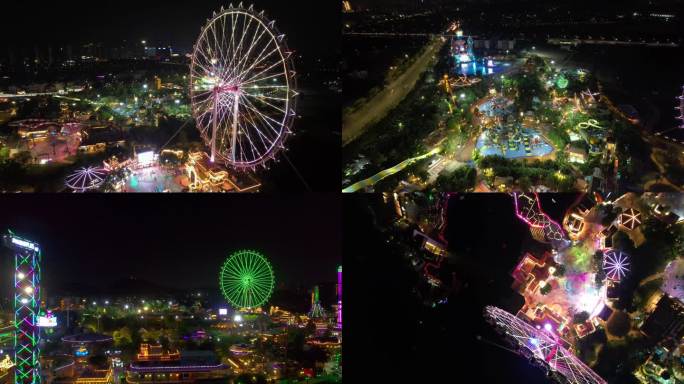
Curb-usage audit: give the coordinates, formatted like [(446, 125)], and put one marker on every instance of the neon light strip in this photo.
[(178, 368)]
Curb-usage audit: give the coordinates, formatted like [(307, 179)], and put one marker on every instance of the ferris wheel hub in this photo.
[(227, 89)]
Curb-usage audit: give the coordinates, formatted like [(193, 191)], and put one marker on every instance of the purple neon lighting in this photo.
[(86, 178), (205, 367), (529, 210), (615, 263), (339, 297)]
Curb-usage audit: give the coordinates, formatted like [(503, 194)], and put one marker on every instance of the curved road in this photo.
[(388, 172), (355, 123)]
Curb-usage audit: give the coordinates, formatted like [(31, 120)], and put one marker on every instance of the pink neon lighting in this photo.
[(542, 347), (532, 214), (339, 297)]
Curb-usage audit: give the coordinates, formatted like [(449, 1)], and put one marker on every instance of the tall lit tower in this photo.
[(26, 306), (680, 107), (339, 297), (316, 311)]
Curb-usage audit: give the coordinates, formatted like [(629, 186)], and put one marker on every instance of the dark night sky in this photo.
[(312, 27), (176, 240)]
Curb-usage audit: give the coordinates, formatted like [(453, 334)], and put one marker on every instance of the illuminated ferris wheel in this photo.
[(541, 347), (246, 279), (242, 87)]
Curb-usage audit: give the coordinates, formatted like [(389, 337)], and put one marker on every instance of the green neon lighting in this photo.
[(246, 279), (27, 258), (562, 82)]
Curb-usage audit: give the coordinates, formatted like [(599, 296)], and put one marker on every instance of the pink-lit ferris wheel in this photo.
[(242, 87), (542, 348)]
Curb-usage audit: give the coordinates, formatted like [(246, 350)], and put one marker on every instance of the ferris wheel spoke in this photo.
[(245, 132), (275, 133), (261, 135), (260, 270), (264, 117), (207, 112), (256, 96), (262, 55), (242, 63), (217, 43), (202, 94), (255, 40), (268, 87), (205, 67), (234, 20), (226, 111), (237, 53), (234, 290), (204, 56), (259, 59), (223, 37), (230, 275), (241, 153), (256, 77), (260, 99), (248, 118), (242, 262), (221, 61), (260, 287), (271, 76)]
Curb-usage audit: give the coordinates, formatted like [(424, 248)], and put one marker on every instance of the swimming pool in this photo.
[(531, 144), (482, 67)]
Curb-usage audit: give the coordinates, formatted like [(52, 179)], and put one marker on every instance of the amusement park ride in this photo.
[(242, 83), (246, 280), (243, 100), (27, 257), (461, 47), (542, 347)]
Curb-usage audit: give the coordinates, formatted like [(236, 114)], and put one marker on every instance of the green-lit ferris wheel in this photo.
[(246, 279)]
